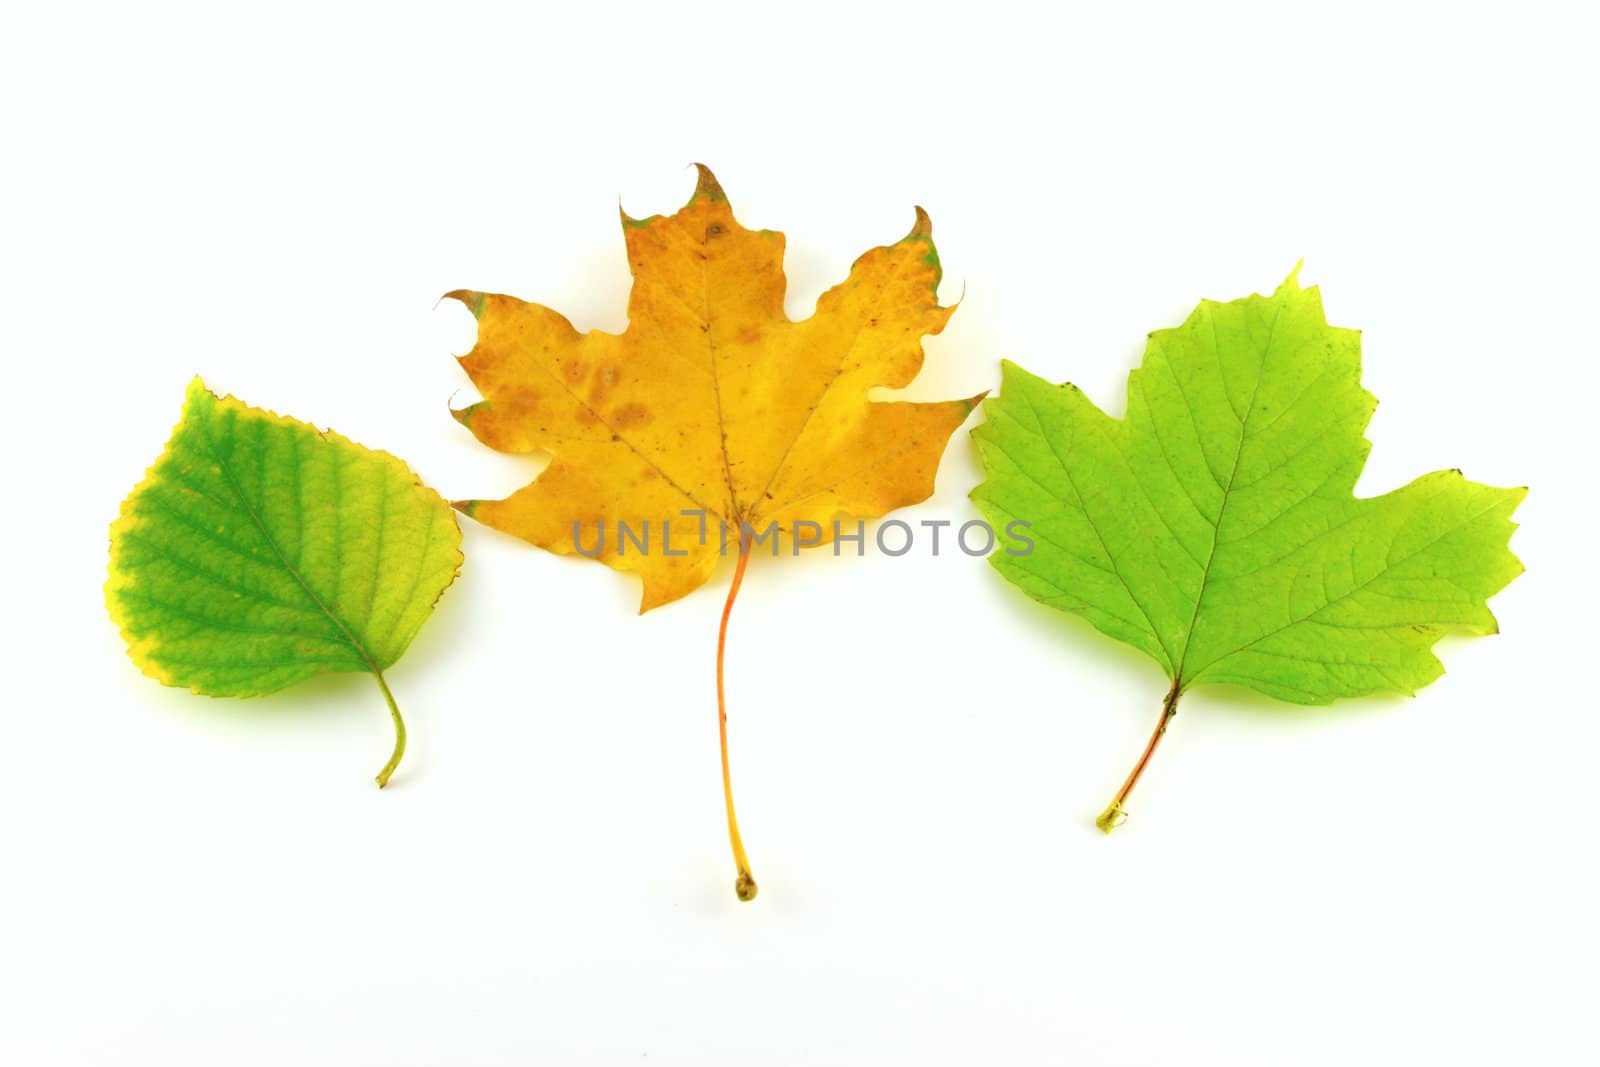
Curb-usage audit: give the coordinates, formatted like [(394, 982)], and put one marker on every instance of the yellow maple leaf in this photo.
[(713, 417)]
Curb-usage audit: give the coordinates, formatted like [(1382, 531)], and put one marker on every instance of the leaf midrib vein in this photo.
[(716, 377), (827, 386), (1222, 508), (266, 535)]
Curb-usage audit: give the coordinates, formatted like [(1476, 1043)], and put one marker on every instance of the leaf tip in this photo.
[(468, 508), (922, 227), (1292, 282), (197, 396), (470, 298), (1014, 376), (922, 230), (707, 187)]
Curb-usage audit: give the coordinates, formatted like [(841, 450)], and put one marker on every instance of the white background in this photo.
[(276, 200)]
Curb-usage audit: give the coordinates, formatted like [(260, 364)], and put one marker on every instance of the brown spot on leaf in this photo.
[(607, 375), (629, 415)]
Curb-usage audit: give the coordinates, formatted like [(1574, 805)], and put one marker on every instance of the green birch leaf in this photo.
[(259, 552), (1215, 527)]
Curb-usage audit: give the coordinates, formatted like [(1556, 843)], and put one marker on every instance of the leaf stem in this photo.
[(399, 732), (745, 884), (1115, 815)]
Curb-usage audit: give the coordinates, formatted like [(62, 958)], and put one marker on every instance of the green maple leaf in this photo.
[(1215, 527), (259, 552)]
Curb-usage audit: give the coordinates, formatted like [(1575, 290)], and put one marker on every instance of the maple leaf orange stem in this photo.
[(745, 884), (1115, 815)]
